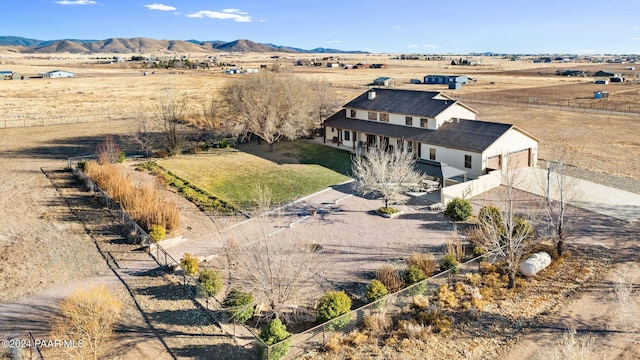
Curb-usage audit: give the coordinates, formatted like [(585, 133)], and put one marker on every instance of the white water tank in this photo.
[(535, 263)]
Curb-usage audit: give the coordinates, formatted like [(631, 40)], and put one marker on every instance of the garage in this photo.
[(519, 159)]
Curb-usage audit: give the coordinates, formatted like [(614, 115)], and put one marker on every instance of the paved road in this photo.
[(601, 199)]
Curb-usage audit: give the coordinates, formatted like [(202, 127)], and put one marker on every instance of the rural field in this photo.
[(52, 231)]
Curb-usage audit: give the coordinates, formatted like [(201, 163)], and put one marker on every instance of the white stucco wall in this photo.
[(455, 158)]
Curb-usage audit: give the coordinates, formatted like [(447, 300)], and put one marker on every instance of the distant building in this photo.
[(57, 74), (6, 74), (384, 81), (446, 79), (609, 74)]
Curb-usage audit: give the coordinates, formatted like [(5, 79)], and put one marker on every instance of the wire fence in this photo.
[(393, 304), (193, 289), (597, 106), (33, 120)]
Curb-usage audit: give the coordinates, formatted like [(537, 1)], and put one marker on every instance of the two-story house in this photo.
[(439, 130)]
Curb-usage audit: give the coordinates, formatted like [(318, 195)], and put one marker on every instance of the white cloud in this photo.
[(396, 27), (263, 20), (161, 7), (635, 38), (76, 2), (226, 14), (334, 42)]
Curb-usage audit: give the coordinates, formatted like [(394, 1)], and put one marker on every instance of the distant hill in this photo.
[(145, 45)]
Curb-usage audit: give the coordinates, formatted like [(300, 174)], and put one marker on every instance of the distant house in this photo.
[(572, 72), (57, 74), (446, 79), (543, 60), (440, 132), (384, 81), (609, 74), (601, 82), (333, 65), (6, 74), (378, 66), (616, 79)]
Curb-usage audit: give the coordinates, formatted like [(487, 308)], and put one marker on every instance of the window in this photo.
[(408, 120), (432, 154), (410, 147), (373, 115), (384, 117), (333, 129), (347, 135), (467, 161), (353, 113), (424, 122)]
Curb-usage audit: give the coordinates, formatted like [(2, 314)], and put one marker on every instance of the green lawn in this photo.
[(291, 171)]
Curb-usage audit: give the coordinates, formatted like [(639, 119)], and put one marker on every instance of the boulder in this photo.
[(535, 263)]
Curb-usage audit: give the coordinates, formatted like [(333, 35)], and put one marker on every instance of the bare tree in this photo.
[(384, 173), (88, 315), (276, 268), (214, 121), (169, 113), (108, 151), (505, 232), (325, 102), (561, 192), (271, 106), (143, 134)]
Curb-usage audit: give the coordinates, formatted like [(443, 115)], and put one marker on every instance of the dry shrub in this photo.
[(378, 323), (487, 268), (108, 151), (391, 341), (454, 246), (334, 344), (420, 302), (390, 277), (446, 298), (459, 289), (426, 262), (356, 338), (474, 279), (477, 237), (89, 316), (411, 329), (435, 319), (145, 204)]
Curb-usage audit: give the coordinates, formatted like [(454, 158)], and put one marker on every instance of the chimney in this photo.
[(371, 94)]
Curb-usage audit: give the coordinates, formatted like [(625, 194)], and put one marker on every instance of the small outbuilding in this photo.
[(6, 74), (57, 74), (384, 81)]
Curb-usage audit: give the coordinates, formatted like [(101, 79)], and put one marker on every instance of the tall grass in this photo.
[(145, 204)]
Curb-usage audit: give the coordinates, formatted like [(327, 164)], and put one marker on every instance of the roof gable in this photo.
[(409, 102)]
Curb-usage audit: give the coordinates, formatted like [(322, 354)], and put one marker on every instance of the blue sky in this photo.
[(400, 26)]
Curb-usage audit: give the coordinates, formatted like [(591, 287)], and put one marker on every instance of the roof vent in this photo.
[(371, 94)]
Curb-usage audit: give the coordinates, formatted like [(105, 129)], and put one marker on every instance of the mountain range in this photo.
[(146, 45)]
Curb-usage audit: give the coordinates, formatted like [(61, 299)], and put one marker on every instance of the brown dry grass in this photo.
[(119, 89), (145, 204)]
